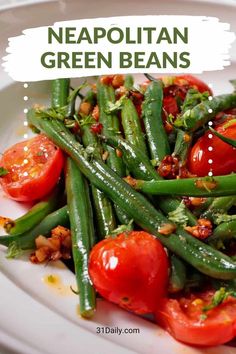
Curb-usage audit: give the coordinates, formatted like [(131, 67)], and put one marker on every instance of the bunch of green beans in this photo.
[(97, 195)]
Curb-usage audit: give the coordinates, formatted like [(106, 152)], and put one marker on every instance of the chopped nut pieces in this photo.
[(202, 230), (85, 108), (53, 248), (114, 80), (95, 113)]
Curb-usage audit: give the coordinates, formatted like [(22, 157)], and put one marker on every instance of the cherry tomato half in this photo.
[(34, 167), (130, 270), (212, 154), (184, 319)]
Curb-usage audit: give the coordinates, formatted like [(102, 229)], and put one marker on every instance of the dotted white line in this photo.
[(210, 136), (25, 85)]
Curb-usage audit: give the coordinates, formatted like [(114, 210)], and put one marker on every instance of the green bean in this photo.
[(26, 240), (105, 217), (183, 140), (111, 128), (194, 118), (135, 155), (177, 278), (90, 140), (131, 125), (82, 234), (219, 206), (199, 211), (122, 217), (135, 159), (60, 92), (110, 124), (64, 139), (71, 100), (193, 187), (33, 216), (129, 82), (201, 256), (138, 163), (224, 231), (152, 117), (182, 145)]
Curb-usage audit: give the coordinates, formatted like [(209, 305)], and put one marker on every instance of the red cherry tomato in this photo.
[(34, 167), (193, 82), (130, 270), (210, 147), (182, 318)]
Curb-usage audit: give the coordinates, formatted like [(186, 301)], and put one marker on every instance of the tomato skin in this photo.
[(34, 167), (130, 270), (170, 105), (193, 82), (181, 318), (223, 155)]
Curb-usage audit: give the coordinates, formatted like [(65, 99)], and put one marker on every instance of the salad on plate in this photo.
[(134, 188)]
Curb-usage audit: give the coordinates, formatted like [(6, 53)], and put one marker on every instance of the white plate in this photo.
[(34, 317)]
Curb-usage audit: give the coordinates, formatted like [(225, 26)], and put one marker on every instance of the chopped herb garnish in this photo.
[(203, 317), (55, 113), (220, 296), (219, 218), (3, 172), (74, 291), (155, 162), (122, 228), (194, 97), (76, 92), (114, 107), (178, 216), (14, 251), (87, 120)]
